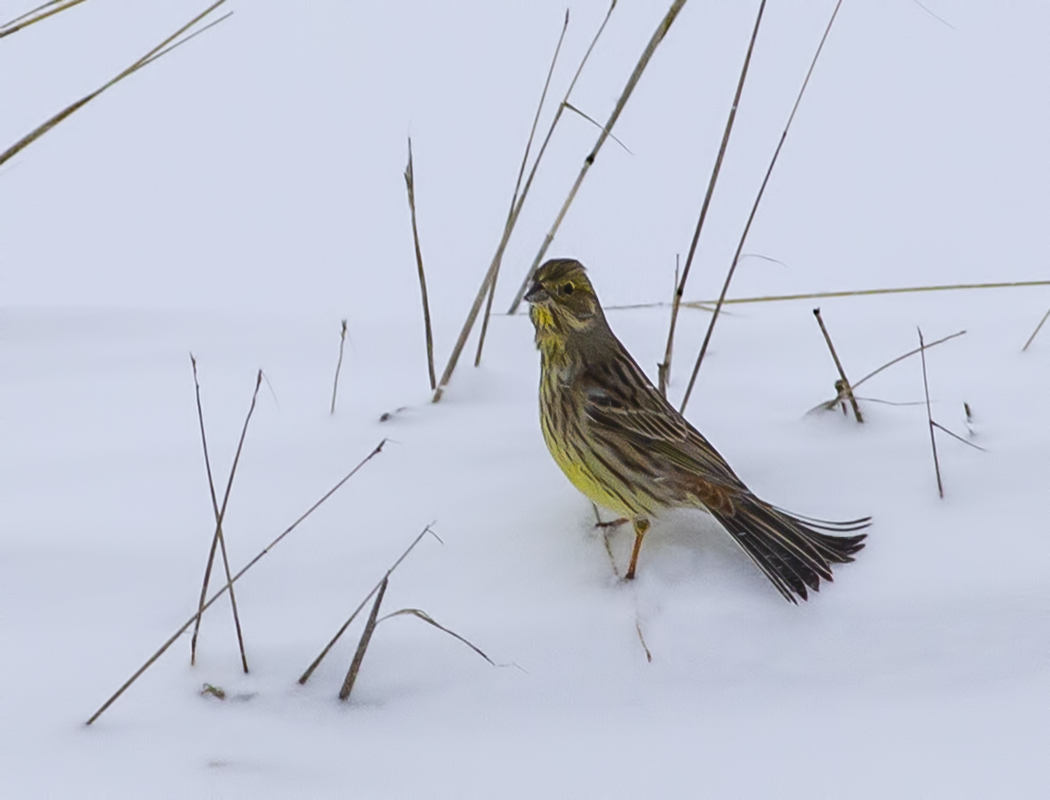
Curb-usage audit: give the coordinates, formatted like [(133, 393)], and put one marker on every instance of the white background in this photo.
[(240, 197)]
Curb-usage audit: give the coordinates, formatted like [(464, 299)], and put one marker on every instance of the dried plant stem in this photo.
[(641, 639), (512, 215), (338, 365), (845, 388), (410, 184), (162, 49), (220, 513), (632, 82), (320, 657), (508, 228), (909, 354), (754, 210), (929, 415), (186, 625), (665, 370), (870, 292), (1036, 331), (362, 645), (707, 305), (35, 15)]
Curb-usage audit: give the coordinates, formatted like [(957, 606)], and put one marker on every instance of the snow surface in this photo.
[(242, 196)]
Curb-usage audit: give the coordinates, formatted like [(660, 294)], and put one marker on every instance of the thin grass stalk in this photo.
[(338, 365), (929, 415), (754, 210), (643, 62), (229, 585), (680, 285), (557, 118), (910, 353), (420, 614), (517, 186), (708, 305), (872, 292), (663, 369), (320, 657), (362, 645), (220, 514), (36, 15), (512, 220), (846, 387), (410, 184), (162, 49), (1036, 331)]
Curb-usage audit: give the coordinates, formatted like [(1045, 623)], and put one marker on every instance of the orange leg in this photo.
[(641, 525), (614, 523)]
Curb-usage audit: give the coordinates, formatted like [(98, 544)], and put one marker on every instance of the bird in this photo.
[(626, 448)]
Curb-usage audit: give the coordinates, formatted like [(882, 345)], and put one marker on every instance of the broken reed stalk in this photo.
[(186, 625), (36, 15), (929, 415), (218, 538), (845, 386), (632, 82), (362, 645), (338, 365), (1036, 331), (160, 50), (410, 184), (320, 657), (665, 369), (512, 220), (517, 188), (370, 626), (754, 210)]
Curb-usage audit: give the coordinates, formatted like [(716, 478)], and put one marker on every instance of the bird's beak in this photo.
[(537, 294)]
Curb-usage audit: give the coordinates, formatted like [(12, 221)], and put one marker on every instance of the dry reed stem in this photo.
[(872, 292), (1037, 328), (845, 387), (830, 404), (160, 50), (338, 365), (557, 118), (410, 184), (420, 614), (754, 210), (362, 645), (517, 188), (186, 625), (929, 415), (35, 15), (956, 436), (320, 657), (910, 353), (707, 305), (632, 82), (665, 368), (218, 537), (508, 228)]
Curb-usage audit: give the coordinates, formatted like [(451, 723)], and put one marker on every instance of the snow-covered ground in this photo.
[(242, 196)]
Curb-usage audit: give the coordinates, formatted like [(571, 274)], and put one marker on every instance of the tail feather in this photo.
[(787, 548)]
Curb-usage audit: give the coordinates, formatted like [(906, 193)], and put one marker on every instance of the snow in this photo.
[(242, 196)]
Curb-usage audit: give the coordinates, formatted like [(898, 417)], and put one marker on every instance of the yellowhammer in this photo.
[(627, 449)]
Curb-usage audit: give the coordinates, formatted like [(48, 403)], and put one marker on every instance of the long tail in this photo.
[(789, 550)]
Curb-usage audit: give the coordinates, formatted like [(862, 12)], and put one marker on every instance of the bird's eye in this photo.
[(567, 288)]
